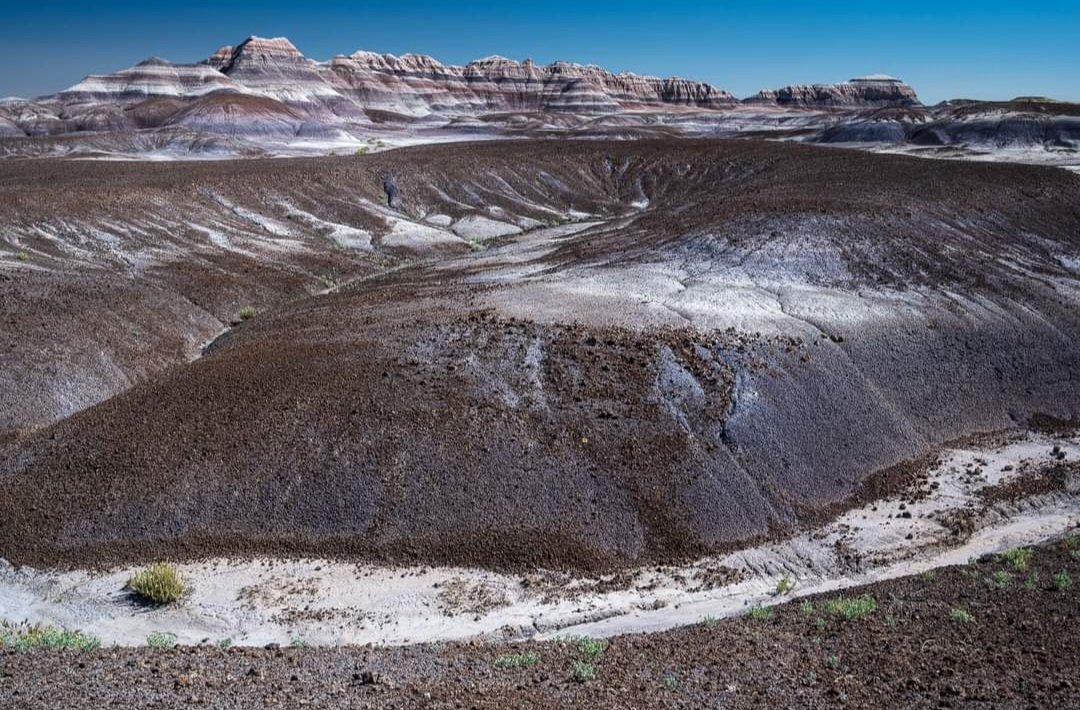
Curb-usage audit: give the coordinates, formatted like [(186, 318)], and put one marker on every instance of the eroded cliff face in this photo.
[(411, 84), (420, 84), (870, 91)]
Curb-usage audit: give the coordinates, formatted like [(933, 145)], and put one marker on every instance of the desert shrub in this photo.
[(248, 312), (1062, 581), (761, 613), (24, 637), (852, 608), (671, 682), (584, 672), (518, 660), (961, 615), (590, 648), (999, 580), (1019, 557), (160, 583), (161, 639), (785, 585)]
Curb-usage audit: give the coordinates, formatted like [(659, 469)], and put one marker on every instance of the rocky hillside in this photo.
[(594, 353)]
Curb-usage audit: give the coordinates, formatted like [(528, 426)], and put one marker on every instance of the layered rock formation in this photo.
[(342, 89), (869, 91), (418, 84), (152, 78), (275, 68)]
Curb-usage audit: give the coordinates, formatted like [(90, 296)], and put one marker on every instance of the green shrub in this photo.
[(584, 672), (711, 621), (851, 608), (761, 613), (961, 615), (161, 639), (518, 660), (248, 312), (590, 648), (999, 580), (671, 682), (23, 256), (160, 583), (807, 608), (1020, 558), (1062, 581), (785, 585), (24, 637)]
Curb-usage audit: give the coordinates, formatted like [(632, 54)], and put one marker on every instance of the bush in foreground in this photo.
[(159, 584), (24, 637)]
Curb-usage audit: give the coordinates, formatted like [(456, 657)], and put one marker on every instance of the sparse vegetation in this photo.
[(784, 585), (1020, 558), (161, 639), (833, 661), (929, 575), (1062, 581), (518, 660), (297, 642), (962, 616), (247, 313), (584, 672), (852, 608), (1032, 581), (761, 613), (1000, 579), (225, 644), (160, 583), (590, 648), (671, 682), (710, 621), (807, 608), (22, 256), (24, 637), (363, 150)]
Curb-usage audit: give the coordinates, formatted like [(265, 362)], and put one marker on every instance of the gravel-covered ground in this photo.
[(995, 633)]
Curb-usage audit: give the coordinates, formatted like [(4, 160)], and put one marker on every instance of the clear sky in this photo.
[(988, 49)]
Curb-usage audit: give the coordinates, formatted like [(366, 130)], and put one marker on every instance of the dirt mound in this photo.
[(656, 350)]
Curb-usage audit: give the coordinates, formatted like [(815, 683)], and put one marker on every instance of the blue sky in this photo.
[(984, 50)]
